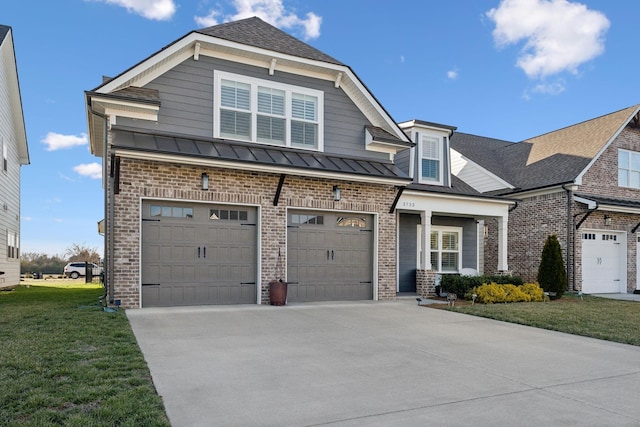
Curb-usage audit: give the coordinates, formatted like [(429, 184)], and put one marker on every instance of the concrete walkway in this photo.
[(624, 297), (380, 364)]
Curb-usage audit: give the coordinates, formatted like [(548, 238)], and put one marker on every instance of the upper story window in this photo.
[(258, 110), (430, 155), (628, 169)]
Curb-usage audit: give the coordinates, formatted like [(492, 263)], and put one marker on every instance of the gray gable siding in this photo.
[(403, 161), (186, 95), (469, 237)]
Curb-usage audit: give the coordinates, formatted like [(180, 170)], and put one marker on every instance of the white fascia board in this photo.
[(249, 167), (591, 204), (7, 52), (413, 124), (619, 209), (452, 204), (490, 174), (542, 191), (578, 179)]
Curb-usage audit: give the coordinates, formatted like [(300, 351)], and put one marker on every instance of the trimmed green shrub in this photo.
[(462, 285), (552, 275), (492, 293)]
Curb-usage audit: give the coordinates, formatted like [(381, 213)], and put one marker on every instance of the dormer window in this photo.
[(256, 110), (430, 155)]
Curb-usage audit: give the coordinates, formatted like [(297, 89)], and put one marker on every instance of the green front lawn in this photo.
[(64, 361), (602, 318)]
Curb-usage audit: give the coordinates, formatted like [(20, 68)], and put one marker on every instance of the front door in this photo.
[(408, 252)]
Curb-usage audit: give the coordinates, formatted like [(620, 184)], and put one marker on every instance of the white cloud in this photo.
[(558, 35), (26, 218), (208, 20), (271, 11), (452, 74), (57, 141), (554, 88), (159, 10), (402, 59), (92, 170)]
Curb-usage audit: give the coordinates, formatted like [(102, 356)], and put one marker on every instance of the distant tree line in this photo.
[(54, 264)]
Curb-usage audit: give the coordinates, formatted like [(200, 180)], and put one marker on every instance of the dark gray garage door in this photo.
[(196, 254), (330, 256)]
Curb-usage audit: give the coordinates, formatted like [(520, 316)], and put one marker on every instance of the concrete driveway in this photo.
[(379, 364)]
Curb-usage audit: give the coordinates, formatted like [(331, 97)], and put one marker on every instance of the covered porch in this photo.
[(441, 233)]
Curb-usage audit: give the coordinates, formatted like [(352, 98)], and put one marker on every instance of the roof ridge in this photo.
[(256, 32), (636, 106)]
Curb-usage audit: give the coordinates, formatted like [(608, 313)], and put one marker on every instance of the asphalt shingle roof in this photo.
[(554, 158), (255, 32), (4, 30)]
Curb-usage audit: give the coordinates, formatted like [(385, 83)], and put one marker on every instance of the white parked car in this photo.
[(77, 269)]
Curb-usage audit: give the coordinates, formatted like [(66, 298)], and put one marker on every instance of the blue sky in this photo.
[(509, 69)]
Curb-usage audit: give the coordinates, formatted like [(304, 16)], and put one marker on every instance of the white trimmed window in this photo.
[(430, 159), (256, 110), (13, 245), (446, 249), (628, 169)]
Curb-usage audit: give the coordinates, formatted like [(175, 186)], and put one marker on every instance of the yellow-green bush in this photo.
[(490, 293), (534, 290)]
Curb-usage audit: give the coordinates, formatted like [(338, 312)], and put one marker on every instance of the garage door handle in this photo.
[(332, 255), (327, 254), (198, 251), (204, 252)]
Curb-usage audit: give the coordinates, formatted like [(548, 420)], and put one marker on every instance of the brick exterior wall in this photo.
[(537, 217), (149, 179), (426, 283)]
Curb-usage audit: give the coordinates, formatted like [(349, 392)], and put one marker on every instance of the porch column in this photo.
[(425, 257), (503, 228)]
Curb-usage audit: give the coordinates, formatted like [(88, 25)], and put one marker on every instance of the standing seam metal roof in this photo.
[(226, 150)]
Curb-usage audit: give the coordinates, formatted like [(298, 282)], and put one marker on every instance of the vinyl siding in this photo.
[(473, 174), (9, 180), (186, 95), (403, 161)]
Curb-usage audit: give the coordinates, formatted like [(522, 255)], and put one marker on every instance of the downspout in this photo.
[(575, 228), (107, 259), (570, 238)]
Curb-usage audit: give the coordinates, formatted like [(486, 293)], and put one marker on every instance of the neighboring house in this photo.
[(441, 218), (238, 155), (581, 183), (13, 154)]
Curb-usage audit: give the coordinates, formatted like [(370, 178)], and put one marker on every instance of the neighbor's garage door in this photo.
[(329, 257), (603, 262), (198, 254)]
